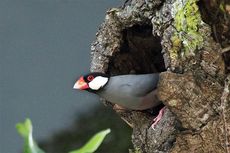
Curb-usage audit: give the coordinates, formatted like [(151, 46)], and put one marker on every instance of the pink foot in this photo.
[(158, 118)]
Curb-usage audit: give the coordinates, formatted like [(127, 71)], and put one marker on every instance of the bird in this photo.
[(130, 91)]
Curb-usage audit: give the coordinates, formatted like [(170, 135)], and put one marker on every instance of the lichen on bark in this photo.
[(171, 36), (187, 23)]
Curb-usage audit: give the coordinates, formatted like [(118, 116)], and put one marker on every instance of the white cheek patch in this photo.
[(98, 82)]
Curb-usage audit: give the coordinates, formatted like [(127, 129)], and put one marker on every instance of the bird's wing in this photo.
[(139, 85)]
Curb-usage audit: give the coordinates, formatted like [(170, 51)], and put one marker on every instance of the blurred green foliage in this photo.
[(80, 132), (30, 146), (93, 143), (84, 126), (25, 129)]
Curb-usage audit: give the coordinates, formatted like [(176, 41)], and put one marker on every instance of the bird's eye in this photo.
[(90, 78)]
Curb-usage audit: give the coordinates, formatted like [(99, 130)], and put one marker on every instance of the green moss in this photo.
[(136, 150), (222, 7), (176, 47), (187, 23)]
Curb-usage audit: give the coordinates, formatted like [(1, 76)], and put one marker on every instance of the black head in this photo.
[(92, 82)]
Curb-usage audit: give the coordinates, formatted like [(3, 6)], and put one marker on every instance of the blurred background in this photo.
[(44, 48)]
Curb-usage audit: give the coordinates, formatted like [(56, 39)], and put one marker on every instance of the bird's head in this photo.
[(92, 82)]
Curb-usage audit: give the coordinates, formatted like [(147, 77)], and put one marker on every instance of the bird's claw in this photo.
[(158, 118)]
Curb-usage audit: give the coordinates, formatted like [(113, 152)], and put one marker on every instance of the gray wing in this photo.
[(139, 85), (130, 90)]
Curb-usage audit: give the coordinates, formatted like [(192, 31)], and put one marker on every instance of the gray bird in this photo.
[(135, 92)]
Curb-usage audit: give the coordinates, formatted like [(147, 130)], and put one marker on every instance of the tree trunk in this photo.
[(188, 41)]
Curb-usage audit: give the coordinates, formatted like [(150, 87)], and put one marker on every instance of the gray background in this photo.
[(44, 47)]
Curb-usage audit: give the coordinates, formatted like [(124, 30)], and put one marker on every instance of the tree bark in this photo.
[(187, 41)]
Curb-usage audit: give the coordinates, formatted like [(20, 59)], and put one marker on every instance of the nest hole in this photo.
[(140, 53)]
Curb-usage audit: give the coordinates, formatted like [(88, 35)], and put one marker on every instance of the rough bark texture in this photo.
[(188, 42)]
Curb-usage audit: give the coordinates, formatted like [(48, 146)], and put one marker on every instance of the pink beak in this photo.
[(81, 84)]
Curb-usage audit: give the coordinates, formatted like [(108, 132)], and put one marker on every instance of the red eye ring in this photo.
[(90, 78)]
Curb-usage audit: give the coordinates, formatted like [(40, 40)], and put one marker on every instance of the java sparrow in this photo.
[(134, 92)]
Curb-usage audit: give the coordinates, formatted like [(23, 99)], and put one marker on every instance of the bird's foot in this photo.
[(158, 118)]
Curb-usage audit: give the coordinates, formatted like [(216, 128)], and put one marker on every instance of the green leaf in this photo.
[(25, 129), (92, 145)]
